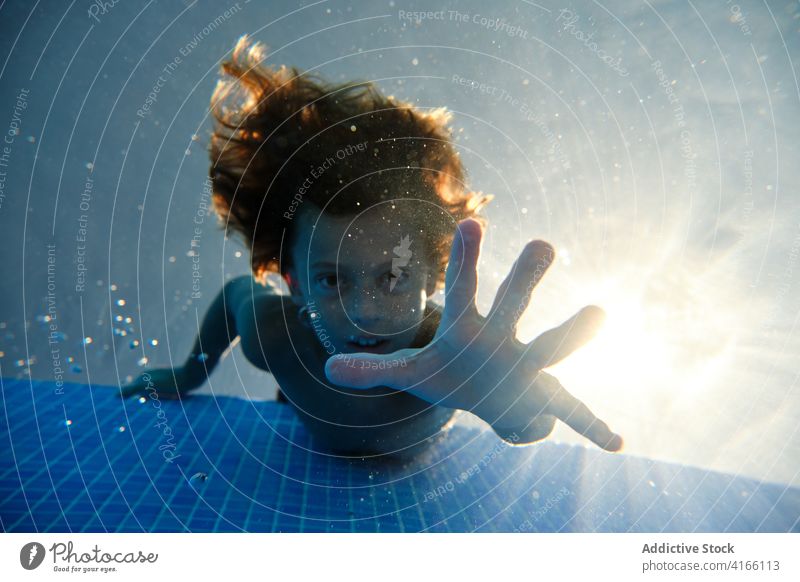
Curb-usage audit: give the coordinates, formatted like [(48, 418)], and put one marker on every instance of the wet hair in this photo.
[(283, 140)]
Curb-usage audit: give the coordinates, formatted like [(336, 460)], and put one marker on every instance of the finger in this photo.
[(130, 390), (538, 428), (461, 278), (170, 395), (578, 416), (515, 291), (556, 344), (363, 370)]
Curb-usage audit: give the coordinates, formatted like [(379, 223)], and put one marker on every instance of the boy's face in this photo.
[(365, 278)]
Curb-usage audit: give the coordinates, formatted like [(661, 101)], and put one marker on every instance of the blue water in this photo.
[(83, 461), (667, 181)]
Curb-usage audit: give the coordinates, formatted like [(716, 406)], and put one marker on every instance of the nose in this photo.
[(365, 308)]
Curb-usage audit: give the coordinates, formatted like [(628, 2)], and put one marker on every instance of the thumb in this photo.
[(363, 370)]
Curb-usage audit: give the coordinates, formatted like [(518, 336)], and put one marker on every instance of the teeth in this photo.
[(364, 341)]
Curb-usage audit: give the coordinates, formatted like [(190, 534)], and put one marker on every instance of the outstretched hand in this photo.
[(164, 383), (475, 362)]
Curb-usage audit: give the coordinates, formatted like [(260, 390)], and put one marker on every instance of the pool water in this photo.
[(82, 461)]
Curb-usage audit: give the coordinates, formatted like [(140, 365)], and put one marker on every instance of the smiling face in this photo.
[(365, 278)]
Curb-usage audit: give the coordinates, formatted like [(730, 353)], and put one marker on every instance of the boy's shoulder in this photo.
[(246, 288), (265, 318), (251, 300)]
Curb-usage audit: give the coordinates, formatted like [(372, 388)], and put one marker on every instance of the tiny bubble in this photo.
[(121, 429), (68, 422), (199, 477)]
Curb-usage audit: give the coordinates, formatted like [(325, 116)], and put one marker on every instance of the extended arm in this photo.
[(217, 331)]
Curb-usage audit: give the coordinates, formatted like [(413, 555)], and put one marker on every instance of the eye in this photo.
[(328, 281)]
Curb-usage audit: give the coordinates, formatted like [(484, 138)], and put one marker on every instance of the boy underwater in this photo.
[(358, 201)]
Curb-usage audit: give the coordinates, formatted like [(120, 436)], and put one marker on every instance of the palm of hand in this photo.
[(476, 363)]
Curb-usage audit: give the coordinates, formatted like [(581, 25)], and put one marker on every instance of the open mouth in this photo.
[(366, 343)]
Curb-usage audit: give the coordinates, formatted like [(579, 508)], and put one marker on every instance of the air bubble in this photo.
[(198, 477)]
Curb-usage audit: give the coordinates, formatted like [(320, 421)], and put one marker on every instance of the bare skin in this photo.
[(434, 360), (475, 363)]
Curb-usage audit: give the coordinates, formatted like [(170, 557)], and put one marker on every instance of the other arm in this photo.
[(219, 329)]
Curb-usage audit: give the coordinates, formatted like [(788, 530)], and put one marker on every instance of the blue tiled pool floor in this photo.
[(84, 461)]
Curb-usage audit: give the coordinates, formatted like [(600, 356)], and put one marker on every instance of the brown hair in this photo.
[(274, 130)]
